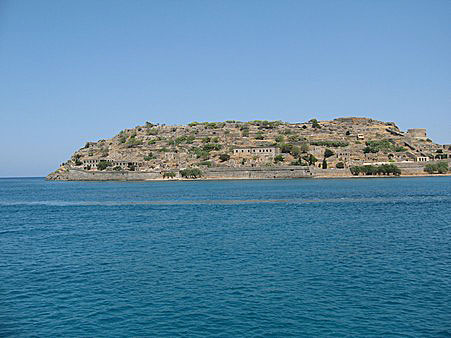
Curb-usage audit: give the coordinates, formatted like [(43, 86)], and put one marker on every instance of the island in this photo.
[(343, 147)]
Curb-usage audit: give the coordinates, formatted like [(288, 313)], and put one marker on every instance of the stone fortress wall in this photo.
[(286, 172)]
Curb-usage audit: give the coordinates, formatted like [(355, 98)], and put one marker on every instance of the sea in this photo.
[(241, 258)]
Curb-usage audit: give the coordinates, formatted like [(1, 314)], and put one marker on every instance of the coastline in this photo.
[(327, 177)]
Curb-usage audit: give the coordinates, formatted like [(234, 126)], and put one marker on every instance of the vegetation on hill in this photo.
[(382, 145)]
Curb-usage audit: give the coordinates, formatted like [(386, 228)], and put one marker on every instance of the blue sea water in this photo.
[(348, 257)]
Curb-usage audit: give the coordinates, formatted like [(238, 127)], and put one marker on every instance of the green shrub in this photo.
[(224, 157), (211, 146), (133, 142), (149, 157), (200, 153), (400, 149), (278, 158), (287, 131), (169, 175), (266, 124), (259, 136), (206, 163), (117, 168), (304, 147), (340, 165), (212, 125), (334, 144), (383, 145), (298, 162), (152, 131), (290, 149), (279, 138), (294, 138)]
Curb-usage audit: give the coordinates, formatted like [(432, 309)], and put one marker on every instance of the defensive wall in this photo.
[(286, 172)]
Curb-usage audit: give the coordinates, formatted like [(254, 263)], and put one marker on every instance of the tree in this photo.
[(285, 148), (442, 167), (436, 168), (191, 173), (324, 165), (384, 169), (328, 153), (102, 165), (315, 123), (340, 165), (310, 159)]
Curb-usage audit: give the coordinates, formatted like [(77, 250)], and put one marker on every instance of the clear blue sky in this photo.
[(75, 71)]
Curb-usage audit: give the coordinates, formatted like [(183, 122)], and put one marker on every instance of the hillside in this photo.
[(165, 151)]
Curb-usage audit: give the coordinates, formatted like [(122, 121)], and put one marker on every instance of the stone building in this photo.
[(123, 164), (258, 151), (417, 133), (422, 159)]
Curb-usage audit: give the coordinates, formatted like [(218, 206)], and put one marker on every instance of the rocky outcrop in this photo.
[(255, 149)]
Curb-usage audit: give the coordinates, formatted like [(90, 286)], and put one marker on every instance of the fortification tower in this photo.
[(418, 133)]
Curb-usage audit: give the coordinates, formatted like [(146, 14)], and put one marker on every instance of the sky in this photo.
[(77, 71)]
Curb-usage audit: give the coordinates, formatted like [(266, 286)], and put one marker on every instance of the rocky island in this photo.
[(343, 147)]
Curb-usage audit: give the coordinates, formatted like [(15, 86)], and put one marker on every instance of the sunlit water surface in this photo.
[(362, 257)]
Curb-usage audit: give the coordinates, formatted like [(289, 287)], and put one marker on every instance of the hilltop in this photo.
[(254, 149)]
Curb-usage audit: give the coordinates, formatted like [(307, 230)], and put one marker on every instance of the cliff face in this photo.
[(165, 151)]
